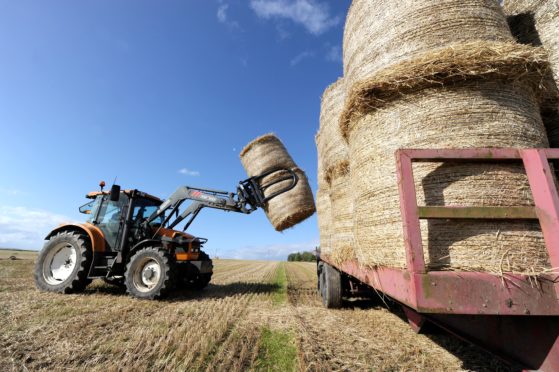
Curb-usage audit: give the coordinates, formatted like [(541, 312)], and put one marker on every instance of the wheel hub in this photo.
[(60, 263), (148, 275)]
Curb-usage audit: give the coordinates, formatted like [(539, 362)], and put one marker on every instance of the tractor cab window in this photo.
[(105, 211), (145, 208)]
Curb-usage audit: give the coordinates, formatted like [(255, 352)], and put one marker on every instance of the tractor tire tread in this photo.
[(80, 280), (169, 273)]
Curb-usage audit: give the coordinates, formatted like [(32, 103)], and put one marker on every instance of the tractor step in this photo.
[(101, 266)]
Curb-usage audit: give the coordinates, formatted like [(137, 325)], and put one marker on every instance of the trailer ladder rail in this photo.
[(542, 185)]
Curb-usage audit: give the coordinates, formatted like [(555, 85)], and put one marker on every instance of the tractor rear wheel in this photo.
[(331, 287), (63, 263), (150, 274)]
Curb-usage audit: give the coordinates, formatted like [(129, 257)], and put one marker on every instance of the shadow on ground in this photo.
[(212, 291), (473, 357)]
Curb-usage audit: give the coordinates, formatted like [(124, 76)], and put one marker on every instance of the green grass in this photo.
[(279, 296), (278, 351)]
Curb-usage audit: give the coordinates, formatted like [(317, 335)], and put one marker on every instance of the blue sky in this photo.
[(158, 94)]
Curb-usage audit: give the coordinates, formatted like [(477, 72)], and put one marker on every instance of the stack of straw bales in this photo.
[(536, 22), (334, 199), (380, 33), (440, 74), (292, 207)]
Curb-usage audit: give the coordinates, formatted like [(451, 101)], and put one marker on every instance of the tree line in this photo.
[(304, 257)]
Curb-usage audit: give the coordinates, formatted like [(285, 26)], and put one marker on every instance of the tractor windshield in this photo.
[(109, 216), (103, 210)]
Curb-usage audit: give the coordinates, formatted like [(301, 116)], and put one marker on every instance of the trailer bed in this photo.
[(514, 316)]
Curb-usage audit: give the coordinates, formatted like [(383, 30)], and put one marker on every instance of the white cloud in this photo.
[(276, 252), (334, 53), (313, 15), (300, 57), (188, 172), (222, 13), (223, 17), (26, 228)]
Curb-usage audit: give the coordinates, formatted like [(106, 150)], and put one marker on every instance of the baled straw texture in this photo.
[(537, 23), (320, 168), (540, 20), (332, 148), (324, 214), (341, 199), (379, 33), (464, 115), (465, 62), (287, 209)]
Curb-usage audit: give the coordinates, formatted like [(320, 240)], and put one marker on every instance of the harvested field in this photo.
[(255, 315)]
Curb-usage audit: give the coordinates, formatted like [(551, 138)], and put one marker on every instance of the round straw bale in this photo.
[(292, 207), (464, 62), (537, 23), (332, 148), (323, 209), (341, 199), (320, 169), (463, 115), (379, 33), (264, 153)]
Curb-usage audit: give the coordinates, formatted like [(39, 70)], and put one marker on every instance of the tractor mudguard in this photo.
[(95, 234)]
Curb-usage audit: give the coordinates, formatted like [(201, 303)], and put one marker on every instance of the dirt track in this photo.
[(221, 328)]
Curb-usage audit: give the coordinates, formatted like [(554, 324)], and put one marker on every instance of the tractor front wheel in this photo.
[(63, 263), (150, 274)]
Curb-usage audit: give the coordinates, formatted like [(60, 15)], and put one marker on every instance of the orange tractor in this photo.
[(130, 238)]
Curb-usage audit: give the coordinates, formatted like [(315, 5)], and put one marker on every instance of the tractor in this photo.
[(131, 239)]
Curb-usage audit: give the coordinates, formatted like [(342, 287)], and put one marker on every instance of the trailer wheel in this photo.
[(331, 287), (150, 274), (63, 264)]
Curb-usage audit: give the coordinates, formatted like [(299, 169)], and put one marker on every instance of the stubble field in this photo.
[(255, 315)]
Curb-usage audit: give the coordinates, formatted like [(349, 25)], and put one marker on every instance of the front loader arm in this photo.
[(249, 197)]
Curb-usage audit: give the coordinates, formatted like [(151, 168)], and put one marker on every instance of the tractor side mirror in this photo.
[(115, 193)]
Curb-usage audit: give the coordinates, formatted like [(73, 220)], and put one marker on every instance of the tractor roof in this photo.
[(94, 194)]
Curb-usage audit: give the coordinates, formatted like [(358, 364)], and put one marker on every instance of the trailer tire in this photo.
[(63, 263), (331, 287), (150, 273), (319, 270)]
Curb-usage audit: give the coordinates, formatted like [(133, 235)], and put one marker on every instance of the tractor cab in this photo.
[(108, 211)]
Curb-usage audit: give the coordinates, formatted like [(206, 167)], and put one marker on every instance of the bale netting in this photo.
[(292, 207), (341, 201), (332, 148), (436, 68), (379, 33), (470, 114), (323, 208)]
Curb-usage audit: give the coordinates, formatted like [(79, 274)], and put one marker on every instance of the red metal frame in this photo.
[(536, 163), (510, 305)]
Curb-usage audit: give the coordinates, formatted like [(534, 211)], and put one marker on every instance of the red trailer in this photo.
[(507, 314)]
